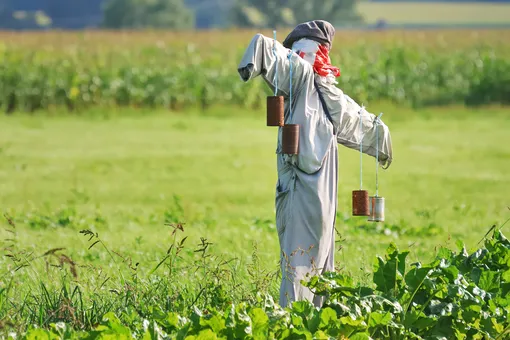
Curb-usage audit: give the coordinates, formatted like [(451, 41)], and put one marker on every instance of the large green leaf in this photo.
[(205, 334), (415, 278), (300, 334), (506, 276), (360, 336), (328, 318), (111, 326), (489, 281), (377, 319), (388, 274), (40, 334), (419, 321), (215, 322), (260, 323), (320, 335)]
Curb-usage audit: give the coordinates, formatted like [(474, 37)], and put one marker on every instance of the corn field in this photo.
[(75, 71)]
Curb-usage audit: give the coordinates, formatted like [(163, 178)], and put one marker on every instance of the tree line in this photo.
[(171, 14)]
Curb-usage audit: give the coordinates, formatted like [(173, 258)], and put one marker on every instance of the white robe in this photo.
[(306, 190)]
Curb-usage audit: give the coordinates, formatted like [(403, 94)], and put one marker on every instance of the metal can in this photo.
[(360, 204), (376, 206), (290, 139), (275, 110)]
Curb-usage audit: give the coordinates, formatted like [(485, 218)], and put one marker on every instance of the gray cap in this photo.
[(317, 30)]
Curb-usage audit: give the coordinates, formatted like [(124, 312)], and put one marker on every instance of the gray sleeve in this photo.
[(346, 115), (270, 59), (374, 136)]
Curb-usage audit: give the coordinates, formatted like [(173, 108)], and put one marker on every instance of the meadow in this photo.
[(437, 12), (158, 221), (182, 71)]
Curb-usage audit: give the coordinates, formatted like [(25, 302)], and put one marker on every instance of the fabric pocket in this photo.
[(281, 203)]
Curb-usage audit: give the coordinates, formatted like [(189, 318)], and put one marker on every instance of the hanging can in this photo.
[(360, 205), (275, 110), (290, 139), (376, 209)]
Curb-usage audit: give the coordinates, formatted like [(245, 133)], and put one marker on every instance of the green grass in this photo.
[(434, 12), (125, 174), (448, 180)]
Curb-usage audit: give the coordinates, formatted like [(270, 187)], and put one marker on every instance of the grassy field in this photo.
[(408, 12), (125, 174), (130, 175), (123, 177)]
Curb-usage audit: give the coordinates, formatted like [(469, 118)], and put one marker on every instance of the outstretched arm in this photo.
[(362, 129), (355, 126), (270, 59)]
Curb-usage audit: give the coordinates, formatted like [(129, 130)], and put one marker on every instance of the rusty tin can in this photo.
[(376, 209), (290, 139), (275, 111), (360, 205)]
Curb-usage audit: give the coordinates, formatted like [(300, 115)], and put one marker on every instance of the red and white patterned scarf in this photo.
[(317, 55)]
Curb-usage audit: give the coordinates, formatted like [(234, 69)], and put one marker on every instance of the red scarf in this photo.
[(322, 65)]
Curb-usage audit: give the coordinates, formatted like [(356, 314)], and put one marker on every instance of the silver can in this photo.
[(376, 206)]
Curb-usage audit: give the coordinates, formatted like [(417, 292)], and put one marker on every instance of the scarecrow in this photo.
[(306, 189)]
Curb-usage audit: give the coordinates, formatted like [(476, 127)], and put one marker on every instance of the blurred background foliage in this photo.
[(180, 71), (175, 14), (191, 69)]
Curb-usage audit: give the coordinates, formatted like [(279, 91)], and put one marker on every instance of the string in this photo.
[(276, 56), (361, 150), (377, 155), (290, 92)]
